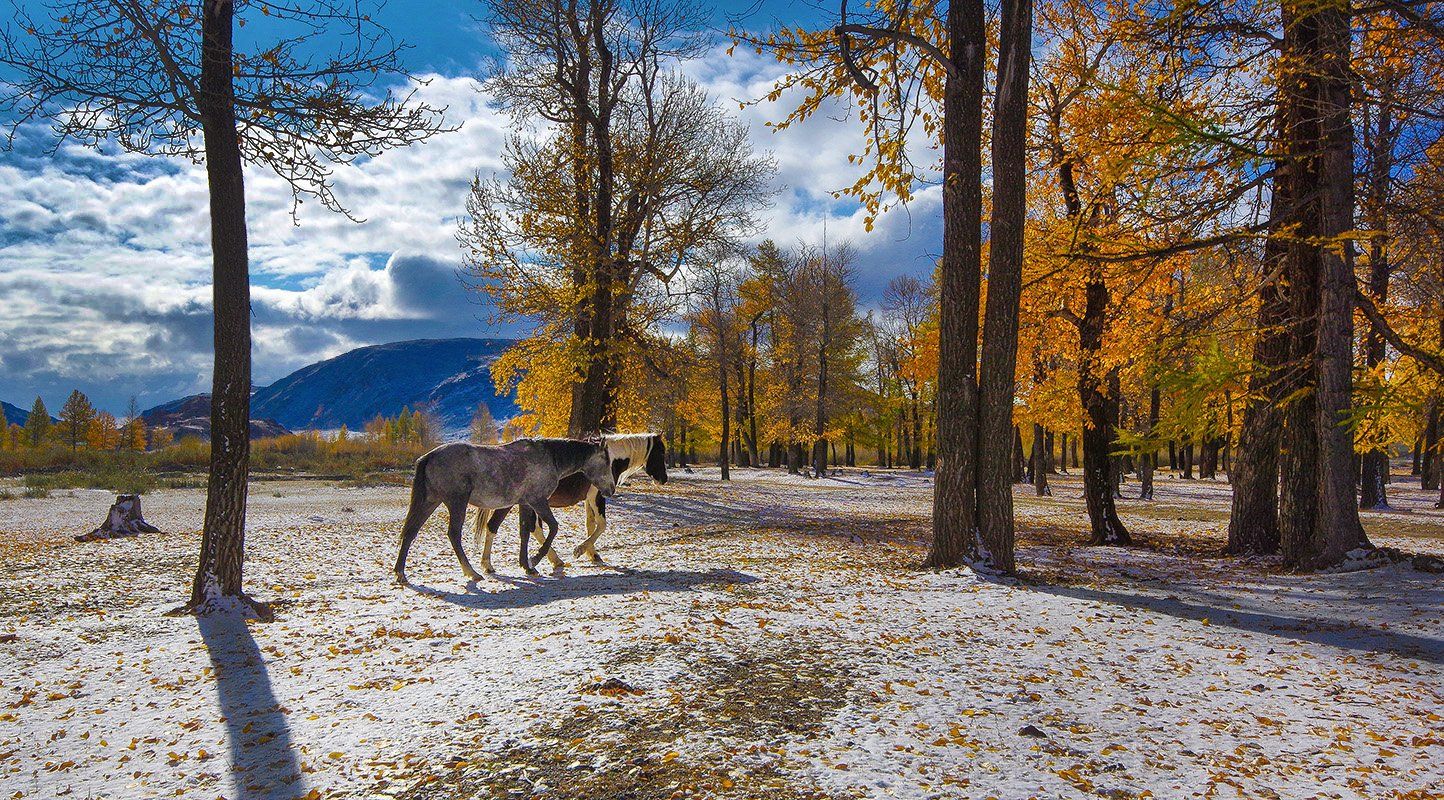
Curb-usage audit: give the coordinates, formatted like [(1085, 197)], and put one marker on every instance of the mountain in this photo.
[(191, 416), (448, 376), (14, 414)]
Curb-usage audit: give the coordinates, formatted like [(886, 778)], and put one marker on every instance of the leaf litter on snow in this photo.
[(768, 638)]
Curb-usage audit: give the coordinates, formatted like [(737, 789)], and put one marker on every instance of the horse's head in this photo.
[(598, 469), (657, 458)]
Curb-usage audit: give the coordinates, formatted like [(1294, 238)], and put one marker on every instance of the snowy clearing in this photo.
[(768, 638)]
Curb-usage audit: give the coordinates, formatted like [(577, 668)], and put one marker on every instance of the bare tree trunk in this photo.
[(1339, 530), (1253, 525), (1429, 466), (222, 556), (1040, 462), (1020, 460), (1098, 432), (955, 534), (1005, 284), (1063, 452), (1149, 460)]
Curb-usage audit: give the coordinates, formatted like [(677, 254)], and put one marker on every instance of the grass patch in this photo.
[(629, 747), (119, 478)]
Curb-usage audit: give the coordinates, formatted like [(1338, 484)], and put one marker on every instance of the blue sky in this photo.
[(104, 257)]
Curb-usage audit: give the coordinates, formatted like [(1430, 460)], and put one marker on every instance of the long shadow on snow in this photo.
[(530, 593), (263, 761), (1321, 630)]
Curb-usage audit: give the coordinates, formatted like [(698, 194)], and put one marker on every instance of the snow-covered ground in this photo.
[(767, 638)]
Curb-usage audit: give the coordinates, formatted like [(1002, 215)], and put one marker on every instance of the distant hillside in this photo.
[(449, 376), (14, 414), (191, 416)]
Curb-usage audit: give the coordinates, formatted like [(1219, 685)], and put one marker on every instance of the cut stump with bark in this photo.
[(124, 519)]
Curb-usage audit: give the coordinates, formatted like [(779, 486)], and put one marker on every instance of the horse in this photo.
[(525, 472), (630, 453)]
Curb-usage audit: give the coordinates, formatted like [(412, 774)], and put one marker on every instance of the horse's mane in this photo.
[(633, 446)]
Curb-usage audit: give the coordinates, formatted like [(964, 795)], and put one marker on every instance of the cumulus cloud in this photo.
[(106, 257)]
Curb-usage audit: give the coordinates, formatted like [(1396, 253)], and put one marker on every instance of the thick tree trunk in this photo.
[(1253, 525), (1339, 530), (218, 575), (955, 534), (1318, 516), (1005, 284), (1098, 431)]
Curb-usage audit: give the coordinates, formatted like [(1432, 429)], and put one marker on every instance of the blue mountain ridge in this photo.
[(15, 415), (450, 377)]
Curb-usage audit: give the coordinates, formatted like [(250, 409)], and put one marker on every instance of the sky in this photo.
[(105, 260)]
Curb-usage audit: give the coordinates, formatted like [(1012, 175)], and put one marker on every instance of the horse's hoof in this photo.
[(597, 560), (489, 571), (532, 573), (401, 580), (579, 551)]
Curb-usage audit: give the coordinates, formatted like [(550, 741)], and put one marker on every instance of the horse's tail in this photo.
[(418, 494), (416, 516)]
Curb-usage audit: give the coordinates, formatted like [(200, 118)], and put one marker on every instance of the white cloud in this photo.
[(105, 261)]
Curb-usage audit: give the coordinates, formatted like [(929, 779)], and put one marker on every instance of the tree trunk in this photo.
[(123, 519), (955, 534), (1429, 466), (1005, 284), (1253, 525), (722, 454), (1020, 461), (1098, 431), (1040, 462), (1148, 463), (218, 575), (1318, 516), (1063, 453)]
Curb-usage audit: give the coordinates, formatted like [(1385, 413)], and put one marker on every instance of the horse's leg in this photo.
[(456, 510), (544, 513), (492, 523), (416, 516), (478, 536), (596, 525), (551, 555), (526, 523)]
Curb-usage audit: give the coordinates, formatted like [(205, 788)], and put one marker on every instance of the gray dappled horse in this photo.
[(525, 472), (630, 452)]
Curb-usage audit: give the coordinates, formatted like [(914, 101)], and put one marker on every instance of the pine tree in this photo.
[(75, 418), (37, 428)]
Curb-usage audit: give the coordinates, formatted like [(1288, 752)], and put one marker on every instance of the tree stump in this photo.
[(124, 519)]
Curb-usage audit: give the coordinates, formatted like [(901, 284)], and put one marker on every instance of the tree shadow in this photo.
[(529, 593), (1318, 630), (263, 759)]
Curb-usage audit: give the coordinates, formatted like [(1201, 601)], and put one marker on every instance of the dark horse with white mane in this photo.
[(526, 472), (630, 453)]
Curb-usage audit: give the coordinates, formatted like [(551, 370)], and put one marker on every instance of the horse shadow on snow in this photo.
[(532, 592)]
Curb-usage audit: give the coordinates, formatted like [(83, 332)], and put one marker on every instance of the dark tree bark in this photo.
[(1253, 525), (1148, 462), (1020, 460), (1048, 456), (1040, 462), (1429, 462), (1063, 453), (1005, 284), (1098, 430), (1319, 518), (219, 573), (955, 535)]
